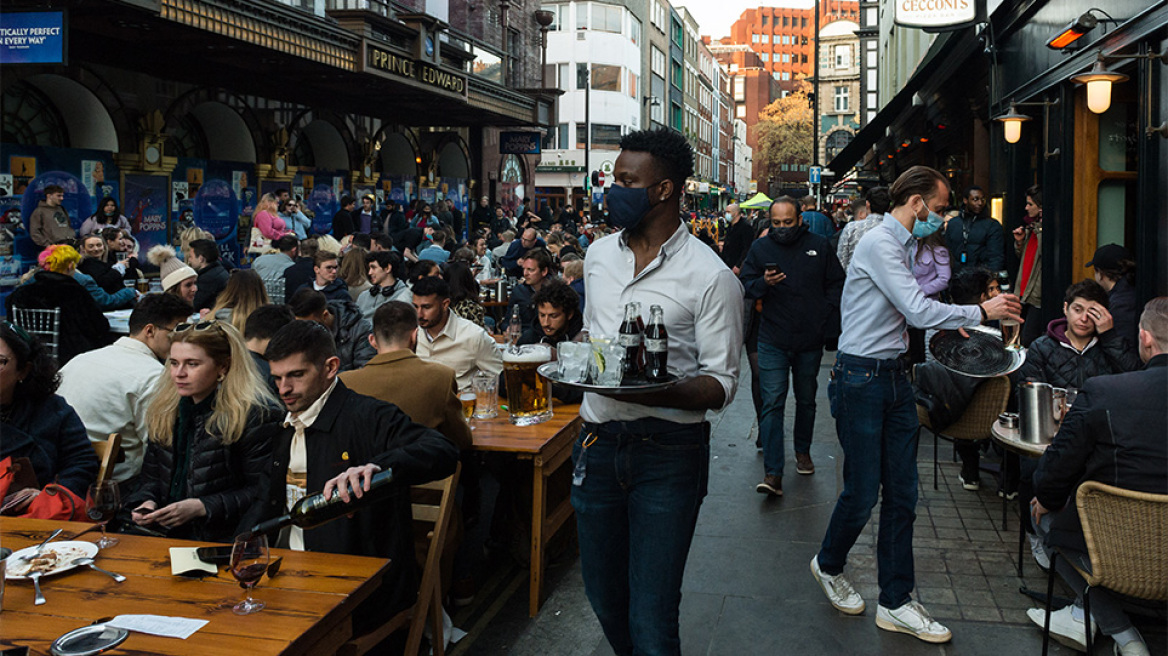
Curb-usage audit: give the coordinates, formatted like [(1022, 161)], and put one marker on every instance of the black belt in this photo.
[(901, 363)]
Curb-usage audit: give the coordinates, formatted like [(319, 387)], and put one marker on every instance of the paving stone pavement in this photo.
[(748, 588)]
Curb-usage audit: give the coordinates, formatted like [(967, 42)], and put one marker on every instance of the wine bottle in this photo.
[(312, 511)]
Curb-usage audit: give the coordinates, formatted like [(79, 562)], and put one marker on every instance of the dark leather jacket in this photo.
[(227, 478)]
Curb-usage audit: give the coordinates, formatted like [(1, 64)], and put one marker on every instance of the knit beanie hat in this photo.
[(173, 270)]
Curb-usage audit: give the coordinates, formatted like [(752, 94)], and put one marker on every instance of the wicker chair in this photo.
[(1125, 532), (989, 401)]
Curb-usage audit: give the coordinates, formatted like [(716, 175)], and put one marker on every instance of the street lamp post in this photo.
[(815, 99), (544, 18)]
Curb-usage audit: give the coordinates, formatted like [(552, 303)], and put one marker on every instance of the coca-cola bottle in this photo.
[(656, 346), (630, 338)]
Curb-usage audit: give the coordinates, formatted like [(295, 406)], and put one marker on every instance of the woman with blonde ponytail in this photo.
[(209, 449)]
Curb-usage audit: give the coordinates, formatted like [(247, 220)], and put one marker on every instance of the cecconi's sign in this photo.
[(936, 15)]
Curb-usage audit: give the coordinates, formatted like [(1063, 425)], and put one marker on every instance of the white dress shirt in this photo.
[(464, 347), (298, 459), (881, 297), (702, 301), (111, 389)]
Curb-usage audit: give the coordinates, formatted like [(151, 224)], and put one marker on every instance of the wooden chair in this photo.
[(1125, 533), (107, 454), (44, 323), (429, 603)]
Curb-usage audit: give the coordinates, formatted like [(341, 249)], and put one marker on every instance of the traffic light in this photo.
[(811, 99)]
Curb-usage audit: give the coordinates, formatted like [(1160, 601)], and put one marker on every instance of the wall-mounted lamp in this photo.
[(996, 208), (1012, 123), (1013, 119), (1098, 81), (654, 101)]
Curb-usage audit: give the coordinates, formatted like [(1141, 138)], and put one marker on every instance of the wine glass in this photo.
[(101, 504), (249, 561)]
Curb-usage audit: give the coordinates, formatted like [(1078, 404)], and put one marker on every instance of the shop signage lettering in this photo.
[(32, 37), (937, 14), (519, 143), (417, 71)]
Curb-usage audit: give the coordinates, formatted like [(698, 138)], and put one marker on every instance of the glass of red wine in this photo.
[(249, 561), (101, 504)]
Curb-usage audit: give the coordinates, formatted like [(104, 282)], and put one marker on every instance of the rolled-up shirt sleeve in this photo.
[(718, 328), (901, 289)]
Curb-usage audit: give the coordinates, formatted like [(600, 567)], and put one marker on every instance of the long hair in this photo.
[(463, 286), (933, 242), (243, 294), (267, 203), (42, 379), (100, 216), (353, 268), (241, 389)]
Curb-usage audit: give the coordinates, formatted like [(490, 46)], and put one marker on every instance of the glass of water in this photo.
[(612, 359), (574, 358)]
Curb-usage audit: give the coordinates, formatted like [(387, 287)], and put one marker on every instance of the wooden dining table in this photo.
[(309, 602), (548, 446)]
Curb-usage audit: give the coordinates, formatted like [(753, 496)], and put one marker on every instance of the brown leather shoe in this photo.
[(803, 464), (772, 485)]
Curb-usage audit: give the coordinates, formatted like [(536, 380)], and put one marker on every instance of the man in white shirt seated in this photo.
[(448, 338), (111, 388)]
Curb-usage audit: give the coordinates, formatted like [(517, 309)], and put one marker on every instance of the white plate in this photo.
[(66, 551)]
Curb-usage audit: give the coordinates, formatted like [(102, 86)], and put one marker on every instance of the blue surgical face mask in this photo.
[(931, 224), (729, 216), (627, 206)]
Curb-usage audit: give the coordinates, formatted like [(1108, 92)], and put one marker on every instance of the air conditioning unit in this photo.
[(580, 36)]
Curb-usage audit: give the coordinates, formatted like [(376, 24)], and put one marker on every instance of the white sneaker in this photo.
[(913, 619), (1133, 648), (1039, 551), (839, 591), (1063, 626)]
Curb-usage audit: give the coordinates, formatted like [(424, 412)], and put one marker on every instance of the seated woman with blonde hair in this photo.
[(244, 293), (209, 425)]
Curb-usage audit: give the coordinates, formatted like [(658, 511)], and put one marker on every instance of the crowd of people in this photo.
[(239, 390)]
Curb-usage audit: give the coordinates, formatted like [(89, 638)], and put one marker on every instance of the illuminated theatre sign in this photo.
[(416, 71), (939, 15)]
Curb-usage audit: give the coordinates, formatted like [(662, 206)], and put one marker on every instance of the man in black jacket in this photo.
[(301, 271), (203, 256), (974, 237), (1114, 434), (343, 224), (738, 238), (799, 279), (332, 435)]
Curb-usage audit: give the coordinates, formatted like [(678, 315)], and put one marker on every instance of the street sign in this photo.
[(600, 178), (814, 174)]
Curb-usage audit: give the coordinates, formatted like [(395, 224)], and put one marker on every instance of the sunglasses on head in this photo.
[(197, 326)]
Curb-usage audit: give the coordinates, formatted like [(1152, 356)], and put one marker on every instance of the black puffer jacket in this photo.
[(83, 326), (228, 479), (351, 333), (1051, 360)]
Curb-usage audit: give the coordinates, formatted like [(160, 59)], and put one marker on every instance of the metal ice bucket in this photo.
[(1036, 407)]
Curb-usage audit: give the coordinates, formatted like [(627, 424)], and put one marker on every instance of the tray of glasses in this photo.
[(636, 385)]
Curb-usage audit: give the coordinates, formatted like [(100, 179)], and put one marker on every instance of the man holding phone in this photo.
[(799, 279)]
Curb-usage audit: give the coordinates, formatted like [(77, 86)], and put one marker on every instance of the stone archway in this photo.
[(229, 128)]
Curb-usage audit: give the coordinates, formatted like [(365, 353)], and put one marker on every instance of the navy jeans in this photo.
[(636, 509), (876, 421), (774, 364)]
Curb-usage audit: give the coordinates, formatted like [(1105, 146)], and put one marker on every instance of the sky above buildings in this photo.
[(716, 16)]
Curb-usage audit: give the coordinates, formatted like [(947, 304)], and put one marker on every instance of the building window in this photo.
[(606, 77), (765, 19), (786, 21), (677, 117), (777, 75), (841, 99), (754, 38), (765, 38), (678, 81), (765, 57), (740, 111), (657, 61), (606, 18), (843, 56), (581, 15), (632, 84), (581, 76), (634, 30)]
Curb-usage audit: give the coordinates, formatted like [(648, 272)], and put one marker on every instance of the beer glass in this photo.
[(1011, 332), (486, 388), (529, 395), (467, 397)]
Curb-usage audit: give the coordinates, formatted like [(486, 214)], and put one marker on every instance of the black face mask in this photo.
[(786, 236)]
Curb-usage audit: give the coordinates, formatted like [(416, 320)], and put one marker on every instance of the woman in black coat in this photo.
[(83, 327), (209, 447)]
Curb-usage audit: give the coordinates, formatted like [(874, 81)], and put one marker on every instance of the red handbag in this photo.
[(53, 502)]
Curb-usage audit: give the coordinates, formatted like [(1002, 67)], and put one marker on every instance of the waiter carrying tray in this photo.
[(873, 404), (642, 462)]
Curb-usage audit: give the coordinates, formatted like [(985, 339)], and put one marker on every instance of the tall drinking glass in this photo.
[(101, 504), (486, 389), (249, 561), (529, 395)]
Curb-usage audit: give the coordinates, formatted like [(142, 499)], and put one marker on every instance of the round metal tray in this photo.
[(89, 641), (551, 371), (982, 355)]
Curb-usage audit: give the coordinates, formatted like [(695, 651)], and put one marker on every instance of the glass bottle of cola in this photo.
[(656, 346), (630, 338)]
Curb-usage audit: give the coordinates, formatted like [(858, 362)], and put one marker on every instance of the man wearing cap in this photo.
[(1114, 271)]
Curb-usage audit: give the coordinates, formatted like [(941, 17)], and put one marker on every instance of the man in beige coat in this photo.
[(424, 390)]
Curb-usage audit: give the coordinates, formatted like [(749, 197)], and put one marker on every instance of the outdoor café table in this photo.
[(119, 321), (548, 447), (309, 602), (1011, 440)]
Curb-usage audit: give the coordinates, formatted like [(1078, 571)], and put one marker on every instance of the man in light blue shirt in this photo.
[(873, 404)]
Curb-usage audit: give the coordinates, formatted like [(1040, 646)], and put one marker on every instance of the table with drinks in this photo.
[(530, 427), (308, 601)]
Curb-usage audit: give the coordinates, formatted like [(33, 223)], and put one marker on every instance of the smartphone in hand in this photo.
[(772, 268)]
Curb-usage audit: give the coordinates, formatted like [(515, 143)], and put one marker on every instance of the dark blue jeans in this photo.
[(774, 364), (636, 509), (876, 421)]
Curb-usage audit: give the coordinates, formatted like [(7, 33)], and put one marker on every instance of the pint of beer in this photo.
[(467, 397), (529, 395)]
